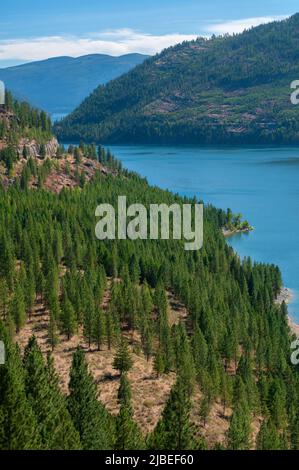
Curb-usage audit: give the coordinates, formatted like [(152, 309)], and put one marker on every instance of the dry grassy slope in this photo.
[(149, 392), (62, 175)]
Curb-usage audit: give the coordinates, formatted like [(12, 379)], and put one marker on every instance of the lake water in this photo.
[(261, 183), (57, 117)]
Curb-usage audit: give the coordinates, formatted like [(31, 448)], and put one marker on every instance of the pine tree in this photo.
[(20, 429), (89, 316), (159, 365), (128, 436), (99, 328), (200, 350), (204, 411), (53, 332), (124, 392), (112, 330), (42, 152), (30, 293), (6, 260), (55, 425), (25, 152), (147, 341), (18, 308), (268, 437), (77, 155), (68, 318), (184, 358), (239, 429), (4, 298), (123, 361), (277, 404), (89, 416), (174, 431)]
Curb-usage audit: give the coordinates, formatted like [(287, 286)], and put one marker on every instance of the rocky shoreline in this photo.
[(229, 233), (286, 295)]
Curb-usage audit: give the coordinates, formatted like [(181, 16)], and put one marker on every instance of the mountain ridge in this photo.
[(226, 89), (67, 80)]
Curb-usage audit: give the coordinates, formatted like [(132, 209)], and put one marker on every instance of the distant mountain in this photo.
[(58, 85), (231, 89)]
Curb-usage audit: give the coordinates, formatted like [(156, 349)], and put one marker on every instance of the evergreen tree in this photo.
[(55, 425), (123, 361), (52, 332), (19, 426), (174, 431), (205, 408), (159, 365), (18, 308), (268, 437), (112, 327), (68, 318), (89, 316), (89, 415), (25, 152), (99, 328), (184, 358), (124, 392), (128, 436), (4, 298), (42, 151), (239, 429)]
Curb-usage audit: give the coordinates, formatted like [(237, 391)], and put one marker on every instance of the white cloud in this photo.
[(115, 43), (237, 26)]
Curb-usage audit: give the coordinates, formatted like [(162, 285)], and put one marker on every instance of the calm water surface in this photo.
[(261, 183)]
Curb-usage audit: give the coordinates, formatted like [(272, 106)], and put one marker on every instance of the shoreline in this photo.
[(229, 233), (287, 295)]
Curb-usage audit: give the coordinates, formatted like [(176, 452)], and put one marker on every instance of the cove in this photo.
[(261, 183)]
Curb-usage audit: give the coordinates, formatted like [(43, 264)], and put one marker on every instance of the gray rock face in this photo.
[(34, 148)]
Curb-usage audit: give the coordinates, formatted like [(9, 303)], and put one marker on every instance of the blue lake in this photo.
[(261, 183), (57, 116)]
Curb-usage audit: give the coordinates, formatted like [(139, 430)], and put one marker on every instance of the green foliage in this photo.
[(19, 430), (25, 122), (269, 438), (231, 89), (234, 344), (128, 436), (124, 392), (123, 361), (89, 415), (48, 404), (174, 431), (240, 428)]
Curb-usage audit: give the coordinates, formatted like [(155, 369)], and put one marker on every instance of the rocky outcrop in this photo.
[(34, 148)]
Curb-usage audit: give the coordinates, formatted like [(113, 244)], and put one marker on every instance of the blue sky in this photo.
[(34, 30)]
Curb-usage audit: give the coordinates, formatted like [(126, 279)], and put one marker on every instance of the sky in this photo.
[(35, 30)]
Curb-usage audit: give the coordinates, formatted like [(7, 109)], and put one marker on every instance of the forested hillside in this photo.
[(129, 344), (20, 120), (222, 356), (231, 89), (59, 84), (24, 132)]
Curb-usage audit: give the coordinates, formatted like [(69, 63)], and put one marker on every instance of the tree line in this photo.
[(234, 344)]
